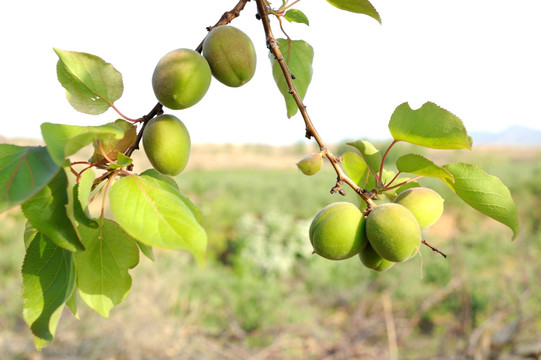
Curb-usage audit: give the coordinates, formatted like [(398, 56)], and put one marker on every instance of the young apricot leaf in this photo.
[(298, 55), (47, 212), (153, 213), (103, 280), (485, 193), (369, 153), (65, 140), (48, 282), (84, 189), (72, 304), (355, 167), (146, 250), (419, 165), (295, 15), (110, 145), (91, 84), (357, 6), (430, 126), (24, 171)]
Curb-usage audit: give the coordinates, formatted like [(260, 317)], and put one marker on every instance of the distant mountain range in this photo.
[(514, 135)]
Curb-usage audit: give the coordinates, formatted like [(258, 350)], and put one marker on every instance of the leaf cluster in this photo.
[(72, 252)]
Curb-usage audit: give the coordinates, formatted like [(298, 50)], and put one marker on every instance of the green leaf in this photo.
[(48, 282), (146, 250), (159, 176), (86, 181), (46, 211), (485, 193), (121, 161), (72, 304), (155, 215), (91, 84), (369, 153), (24, 171), (30, 233), (298, 55), (294, 15), (419, 165), (355, 168), (429, 126), (103, 279), (65, 140), (168, 183), (357, 6)]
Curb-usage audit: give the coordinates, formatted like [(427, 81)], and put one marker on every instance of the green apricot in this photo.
[(167, 144), (393, 232), (111, 146), (372, 260), (338, 231), (181, 78), (231, 55), (310, 164), (424, 203)]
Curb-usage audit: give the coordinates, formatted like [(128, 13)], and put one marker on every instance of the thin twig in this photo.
[(311, 131), (434, 248)]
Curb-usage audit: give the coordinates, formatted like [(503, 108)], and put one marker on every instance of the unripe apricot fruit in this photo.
[(310, 164), (167, 144), (372, 260), (338, 231), (181, 78), (393, 232), (231, 55), (424, 203)]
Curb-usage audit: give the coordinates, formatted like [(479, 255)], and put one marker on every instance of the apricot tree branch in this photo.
[(156, 110), (272, 45)]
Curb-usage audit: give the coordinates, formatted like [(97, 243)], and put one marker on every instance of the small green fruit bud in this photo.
[(310, 164)]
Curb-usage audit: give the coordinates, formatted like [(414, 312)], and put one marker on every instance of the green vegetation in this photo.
[(263, 291)]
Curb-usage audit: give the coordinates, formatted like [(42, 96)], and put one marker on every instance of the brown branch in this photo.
[(434, 248), (226, 18), (311, 131), (156, 110)]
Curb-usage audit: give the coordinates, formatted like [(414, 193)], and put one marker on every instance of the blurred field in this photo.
[(264, 296)]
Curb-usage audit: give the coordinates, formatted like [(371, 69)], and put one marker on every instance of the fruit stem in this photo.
[(311, 132)]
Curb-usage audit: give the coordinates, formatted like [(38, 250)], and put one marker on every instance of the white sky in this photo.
[(479, 59)]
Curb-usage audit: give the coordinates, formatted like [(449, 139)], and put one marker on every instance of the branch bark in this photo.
[(311, 131)]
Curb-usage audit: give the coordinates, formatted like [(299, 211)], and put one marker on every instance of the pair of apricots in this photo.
[(389, 234), (181, 79)]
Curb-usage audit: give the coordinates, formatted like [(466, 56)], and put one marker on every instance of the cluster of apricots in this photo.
[(389, 234), (181, 79)]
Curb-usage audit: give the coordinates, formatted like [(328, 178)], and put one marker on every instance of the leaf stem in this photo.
[(383, 161), (272, 45)]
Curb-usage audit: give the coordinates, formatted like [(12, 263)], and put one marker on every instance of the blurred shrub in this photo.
[(271, 243)]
